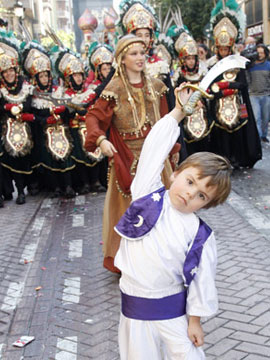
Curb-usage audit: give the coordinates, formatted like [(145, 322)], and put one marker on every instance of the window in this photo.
[(258, 16), (249, 12), (254, 11)]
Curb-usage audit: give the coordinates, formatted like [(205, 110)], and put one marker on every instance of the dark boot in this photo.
[(33, 189), (85, 189), (70, 193), (20, 199), (1, 202), (57, 193)]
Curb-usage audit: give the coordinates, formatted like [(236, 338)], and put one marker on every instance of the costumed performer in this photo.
[(235, 133), (198, 126), (167, 254), (15, 108), (101, 58), (71, 69), (53, 145), (139, 18), (129, 106)]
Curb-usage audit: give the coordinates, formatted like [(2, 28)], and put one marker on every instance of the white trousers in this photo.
[(156, 340)]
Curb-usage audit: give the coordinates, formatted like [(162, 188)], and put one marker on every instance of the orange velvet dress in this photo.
[(112, 112)]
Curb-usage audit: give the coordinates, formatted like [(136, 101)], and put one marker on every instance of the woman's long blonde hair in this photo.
[(123, 45)]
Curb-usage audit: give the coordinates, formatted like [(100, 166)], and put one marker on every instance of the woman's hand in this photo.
[(107, 148), (195, 331)]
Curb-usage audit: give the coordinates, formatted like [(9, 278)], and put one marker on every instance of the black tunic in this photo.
[(241, 145)]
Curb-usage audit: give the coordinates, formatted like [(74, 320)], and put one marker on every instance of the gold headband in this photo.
[(125, 42)]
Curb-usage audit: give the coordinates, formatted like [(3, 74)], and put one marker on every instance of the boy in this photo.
[(167, 255)]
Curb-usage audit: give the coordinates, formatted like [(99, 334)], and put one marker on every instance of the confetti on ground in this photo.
[(101, 243), (38, 288), (24, 340), (89, 321), (43, 268)]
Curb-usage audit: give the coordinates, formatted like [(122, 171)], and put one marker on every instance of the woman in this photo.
[(198, 126), (15, 105), (139, 18), (100, 60), (81, 98), (203, 53), (129, 106), (235, 132), (52, 145)]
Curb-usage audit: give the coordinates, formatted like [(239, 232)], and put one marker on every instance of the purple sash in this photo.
[(172, 306), (165, 308)]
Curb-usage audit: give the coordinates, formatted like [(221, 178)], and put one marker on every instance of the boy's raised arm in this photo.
[(156, 148)]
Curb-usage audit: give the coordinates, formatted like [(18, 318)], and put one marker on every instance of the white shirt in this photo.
[(153, 266)]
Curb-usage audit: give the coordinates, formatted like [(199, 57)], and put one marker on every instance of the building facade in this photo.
[(258, 19), (35, 13)]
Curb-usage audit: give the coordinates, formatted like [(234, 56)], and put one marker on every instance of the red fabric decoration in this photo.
[(9, 106), (27, 117), (59, 109), (51, 120), (223, 85), (228, 92)]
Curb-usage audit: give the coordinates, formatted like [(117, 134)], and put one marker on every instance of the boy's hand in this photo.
[(107, 148), (183, 94), (195, 331)]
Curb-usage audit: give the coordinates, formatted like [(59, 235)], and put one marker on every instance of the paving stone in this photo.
[(251, 338), (222, 347), (256, 357), (215, 336), (237, 316), (233, 355), (233, 307), (265, 331), (259, 309), (262, 320), (254, 348), (242, 326)]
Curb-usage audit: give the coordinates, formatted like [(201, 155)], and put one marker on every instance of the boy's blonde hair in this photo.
[(217, 167)]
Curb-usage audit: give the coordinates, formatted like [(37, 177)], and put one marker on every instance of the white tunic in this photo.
[(152, 267)]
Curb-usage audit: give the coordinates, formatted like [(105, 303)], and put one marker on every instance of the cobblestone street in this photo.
[(53, 285)]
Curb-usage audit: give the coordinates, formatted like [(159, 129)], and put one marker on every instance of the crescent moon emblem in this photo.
[(140, 222)]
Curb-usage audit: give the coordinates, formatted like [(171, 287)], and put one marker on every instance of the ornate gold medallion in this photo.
[(18, 140), (58, 142), (196, 124), (228, 113)]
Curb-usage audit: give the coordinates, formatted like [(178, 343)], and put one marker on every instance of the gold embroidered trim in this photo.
[(121, 191), (100, 139), (53, 169), (109, 95), (17, 171), (207, 133), (233, 130), (84, 162)]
